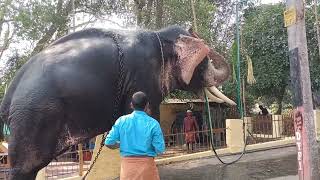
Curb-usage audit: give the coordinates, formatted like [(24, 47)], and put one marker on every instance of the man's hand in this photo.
[(115, 146)]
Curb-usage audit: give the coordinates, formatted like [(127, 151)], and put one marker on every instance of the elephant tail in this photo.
[(4, 118), (4, 124), (1, 129), (4, 115)]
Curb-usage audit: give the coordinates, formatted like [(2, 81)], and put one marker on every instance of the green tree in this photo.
[(155, 14), (313, 53), (39, 23), (44, 21), (265, 39), (6, 25)]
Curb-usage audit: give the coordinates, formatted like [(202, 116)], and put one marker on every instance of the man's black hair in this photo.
[(139, 100)]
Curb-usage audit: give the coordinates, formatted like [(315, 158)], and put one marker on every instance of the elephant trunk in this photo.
[(218, 70)]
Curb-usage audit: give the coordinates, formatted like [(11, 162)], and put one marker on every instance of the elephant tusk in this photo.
[(220, 95), (212, 97)]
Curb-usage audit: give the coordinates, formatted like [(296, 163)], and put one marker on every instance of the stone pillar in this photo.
[(277, 126), (249, 125), (234, 135), (4, 147), (167, 116), (107, 165), (41, 174)]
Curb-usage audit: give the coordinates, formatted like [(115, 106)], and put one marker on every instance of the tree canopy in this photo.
[(264, 38)]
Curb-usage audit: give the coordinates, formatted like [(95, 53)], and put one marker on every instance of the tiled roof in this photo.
[(183, 101)]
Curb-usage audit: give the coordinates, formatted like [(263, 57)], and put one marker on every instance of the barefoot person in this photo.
[(140, 139), (190, 127)]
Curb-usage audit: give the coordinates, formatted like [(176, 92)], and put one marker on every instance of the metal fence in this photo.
[(72, 163), (4, 169), (269, 128), (176, 144)]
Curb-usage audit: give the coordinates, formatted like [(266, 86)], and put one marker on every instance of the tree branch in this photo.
[(7, 41), (63, 12), (45, 39), (86, 23), (148, 13), (3, 12), (159, 14), (139, 4)]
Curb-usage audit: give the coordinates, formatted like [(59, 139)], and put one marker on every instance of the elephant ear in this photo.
[(191, 52)]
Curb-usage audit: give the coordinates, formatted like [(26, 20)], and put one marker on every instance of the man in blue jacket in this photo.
[(140, 139)]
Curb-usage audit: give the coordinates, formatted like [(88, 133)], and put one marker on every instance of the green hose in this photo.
[(207, 108)]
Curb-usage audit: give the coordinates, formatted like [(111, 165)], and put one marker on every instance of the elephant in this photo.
[(77, 87)]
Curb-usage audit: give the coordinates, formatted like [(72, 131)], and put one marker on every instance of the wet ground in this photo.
[(276, 163)]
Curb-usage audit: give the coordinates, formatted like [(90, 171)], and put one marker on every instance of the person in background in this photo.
[(92, 145), (190, 127), (140, 138), (263, 111)]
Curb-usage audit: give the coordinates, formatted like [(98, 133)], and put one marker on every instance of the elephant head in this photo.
[(196, 66)]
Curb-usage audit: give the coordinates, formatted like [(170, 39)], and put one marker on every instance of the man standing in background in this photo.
[(190, 128), (263, 111)]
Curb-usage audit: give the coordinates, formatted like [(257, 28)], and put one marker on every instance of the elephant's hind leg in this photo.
[(33, 141)]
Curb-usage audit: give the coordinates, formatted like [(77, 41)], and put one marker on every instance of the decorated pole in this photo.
[(308, 155)]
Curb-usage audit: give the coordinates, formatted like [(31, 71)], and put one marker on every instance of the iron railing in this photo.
[(4, 166), (72, 163), (269, 128), (176, 144)]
